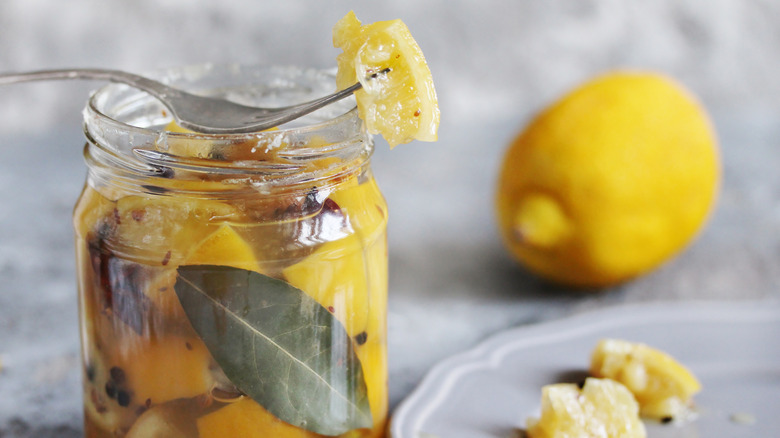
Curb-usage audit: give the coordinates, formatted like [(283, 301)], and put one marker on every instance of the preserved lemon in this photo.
[(175, 419), (603, 408), (224, 247), (336, 276), (156, 371), (663, 387), (167, 226), (398, 99), (245, 418)]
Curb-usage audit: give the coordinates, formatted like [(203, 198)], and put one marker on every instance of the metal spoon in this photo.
[(198, 113)]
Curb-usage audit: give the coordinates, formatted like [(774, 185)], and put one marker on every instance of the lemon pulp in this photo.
[(400, 104), (602, 408), (663, 387)]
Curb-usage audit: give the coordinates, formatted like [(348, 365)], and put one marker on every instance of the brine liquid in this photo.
[(147, 372)]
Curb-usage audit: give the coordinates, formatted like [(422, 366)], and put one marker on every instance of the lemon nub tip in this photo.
[(539, 221)]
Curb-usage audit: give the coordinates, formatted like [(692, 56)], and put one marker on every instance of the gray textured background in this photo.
[(488, 56), (494, 62)]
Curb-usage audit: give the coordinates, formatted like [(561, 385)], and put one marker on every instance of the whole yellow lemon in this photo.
[(610, 181)]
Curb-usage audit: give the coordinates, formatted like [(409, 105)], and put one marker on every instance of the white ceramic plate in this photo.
[(490, 391)]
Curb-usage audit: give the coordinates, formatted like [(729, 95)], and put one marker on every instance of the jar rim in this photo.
[(94, 106), (112, 114)]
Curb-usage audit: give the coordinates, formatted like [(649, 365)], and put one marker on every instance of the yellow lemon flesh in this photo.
[(348, 276), (175, 419), (245, 418), (168, 367), (400, 104), (663, 387), (602, 408), (610, 181), (224, 247), (164, 369), (159, 231)]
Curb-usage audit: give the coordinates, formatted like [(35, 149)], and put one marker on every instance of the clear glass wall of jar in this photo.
[(231, 285)]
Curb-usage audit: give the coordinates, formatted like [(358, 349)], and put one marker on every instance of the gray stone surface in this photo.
[(451, 282)]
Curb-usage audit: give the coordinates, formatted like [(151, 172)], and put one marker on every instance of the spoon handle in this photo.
[(152, 87)]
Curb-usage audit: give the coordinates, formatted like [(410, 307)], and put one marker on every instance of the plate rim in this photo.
[(439, 380)]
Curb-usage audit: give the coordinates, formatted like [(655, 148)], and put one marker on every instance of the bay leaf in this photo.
[(278, 346)]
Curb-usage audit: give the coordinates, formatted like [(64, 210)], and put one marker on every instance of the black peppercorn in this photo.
[(361, 338), (123, 398), (111, 389), (117, 375)]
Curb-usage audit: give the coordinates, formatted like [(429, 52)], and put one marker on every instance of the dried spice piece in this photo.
[(361, 338), (123, 398), (166, 172), (117, 375), (155, 190), (110, 389), (293, 235), (89, 372), (312, 204), (99, 255), (121, 282), (128, 301), (166, 258), (312, 201)]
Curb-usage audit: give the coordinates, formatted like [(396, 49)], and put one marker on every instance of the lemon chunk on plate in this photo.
[(398, 99), (601, 408), (663, 387)]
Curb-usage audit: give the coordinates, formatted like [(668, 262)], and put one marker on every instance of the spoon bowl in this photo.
[(208, 115)]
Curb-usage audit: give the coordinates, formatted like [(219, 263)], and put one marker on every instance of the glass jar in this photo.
[(231, 285)]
